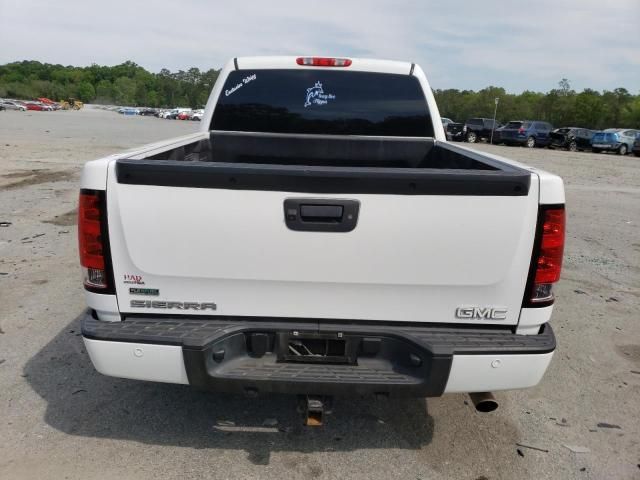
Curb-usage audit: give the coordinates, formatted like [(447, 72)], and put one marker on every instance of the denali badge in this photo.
[(170, 305), (481, 313)]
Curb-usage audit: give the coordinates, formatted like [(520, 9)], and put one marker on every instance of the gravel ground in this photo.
[(60, 419)]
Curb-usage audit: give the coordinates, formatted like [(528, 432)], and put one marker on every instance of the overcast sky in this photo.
[(460, 44)]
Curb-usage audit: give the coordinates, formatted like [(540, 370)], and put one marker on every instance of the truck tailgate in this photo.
[(411, 257)]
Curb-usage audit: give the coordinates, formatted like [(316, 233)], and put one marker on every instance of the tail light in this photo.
[(547, 261), (323, 61), (521, 130), (92, 240)]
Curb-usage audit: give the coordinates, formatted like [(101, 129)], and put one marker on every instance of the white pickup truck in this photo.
[(319, 236)]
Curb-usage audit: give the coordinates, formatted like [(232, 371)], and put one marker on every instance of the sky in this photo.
[(460, 44)]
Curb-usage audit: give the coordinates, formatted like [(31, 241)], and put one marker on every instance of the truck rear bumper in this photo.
[(248, 355)]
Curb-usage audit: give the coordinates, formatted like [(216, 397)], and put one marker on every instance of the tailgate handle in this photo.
[(321, 215)]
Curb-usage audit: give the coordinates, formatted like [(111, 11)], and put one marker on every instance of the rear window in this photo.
[(513, 125), (322, 102), (605, 137)]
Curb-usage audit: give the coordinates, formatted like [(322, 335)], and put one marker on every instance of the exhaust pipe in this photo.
[(484, 401)]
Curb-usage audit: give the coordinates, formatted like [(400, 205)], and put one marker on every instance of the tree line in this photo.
[(124, 84), (130, 84), (562, 106)]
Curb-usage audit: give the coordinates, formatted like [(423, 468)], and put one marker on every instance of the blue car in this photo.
[(530, 133), (129, 111), (614, 140)]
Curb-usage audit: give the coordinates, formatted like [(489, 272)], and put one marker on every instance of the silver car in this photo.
[(9, 105)]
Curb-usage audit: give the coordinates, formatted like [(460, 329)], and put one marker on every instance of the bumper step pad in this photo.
[(408, 360)]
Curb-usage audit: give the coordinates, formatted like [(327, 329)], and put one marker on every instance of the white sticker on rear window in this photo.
[(237, 87), (316, 96)]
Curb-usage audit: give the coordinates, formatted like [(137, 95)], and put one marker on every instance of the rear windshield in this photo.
[(606, 136), (513, 125), (323, 102)]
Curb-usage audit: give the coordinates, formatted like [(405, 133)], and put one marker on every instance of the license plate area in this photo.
[(311, 347)]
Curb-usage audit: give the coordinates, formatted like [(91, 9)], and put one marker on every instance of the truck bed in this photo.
[(327, 164)]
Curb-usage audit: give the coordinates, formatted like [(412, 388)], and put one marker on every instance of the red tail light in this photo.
[(548, 261), (323, 62), (521, 130), (91, 239)]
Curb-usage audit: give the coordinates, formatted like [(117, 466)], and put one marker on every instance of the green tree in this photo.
[(124, 90), (104, 91), (86, 92)]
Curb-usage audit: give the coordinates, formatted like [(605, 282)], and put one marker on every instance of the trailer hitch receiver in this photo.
[(314, 408)]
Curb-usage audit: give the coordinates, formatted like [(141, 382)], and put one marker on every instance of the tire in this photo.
[(531, 142), (596, 150), (472, 137), (573, 146), (623, 150)]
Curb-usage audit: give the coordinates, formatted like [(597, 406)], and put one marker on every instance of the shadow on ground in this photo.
[(82, 402)]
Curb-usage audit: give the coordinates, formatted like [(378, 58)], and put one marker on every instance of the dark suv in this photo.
[(530, 133), (571, 138), (478, 128)]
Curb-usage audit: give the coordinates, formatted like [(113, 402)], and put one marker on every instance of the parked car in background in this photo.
[(445, 121), (171, 114), (35, 106), (147, 112), (455, 131), (185, 115), (197, 115), (49, 102), (636, 146), (129, 111), (530, 133), (479, 128), (614, 140), (11, 105), (174, 112), (571, 138), (2, 107)]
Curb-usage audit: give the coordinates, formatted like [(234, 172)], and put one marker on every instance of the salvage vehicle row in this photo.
[(535, 133)]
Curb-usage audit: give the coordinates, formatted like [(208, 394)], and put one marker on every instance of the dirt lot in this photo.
[(60, 419)]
